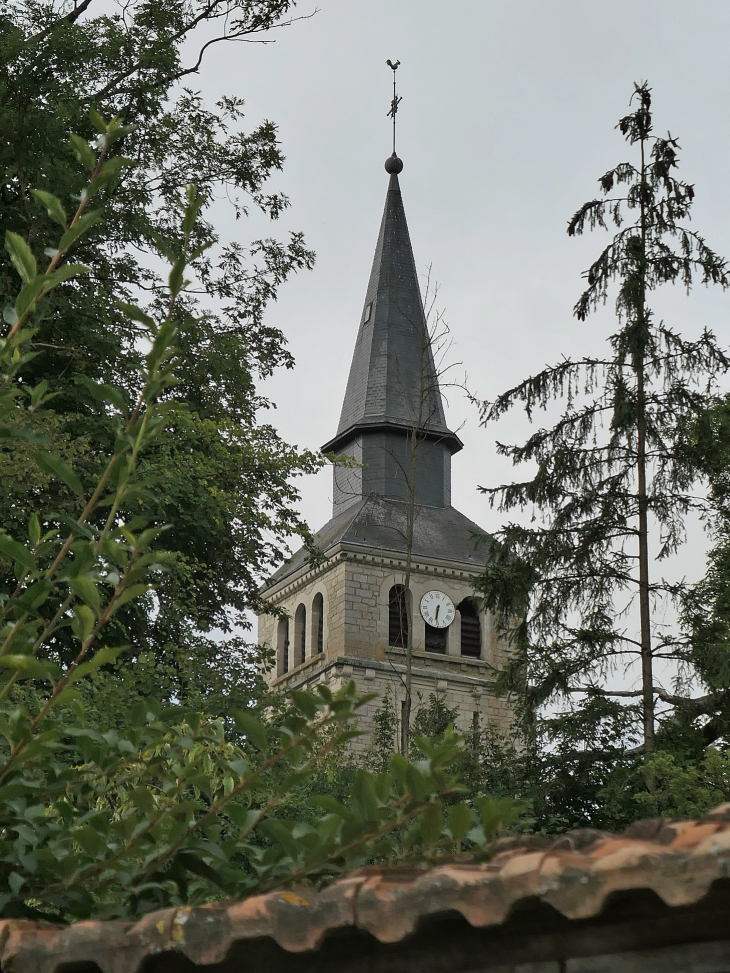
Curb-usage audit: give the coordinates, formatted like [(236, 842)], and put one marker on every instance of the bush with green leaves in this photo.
[(168, 809)]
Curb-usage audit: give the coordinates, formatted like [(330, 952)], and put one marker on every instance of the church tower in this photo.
[(347, 615)]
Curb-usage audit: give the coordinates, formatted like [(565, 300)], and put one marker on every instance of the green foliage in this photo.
[(615, 466), (706, 606), (383, 737), (228, 530), (681, 787), (212, 676), (434, 718), (171, 812), (565, 787)]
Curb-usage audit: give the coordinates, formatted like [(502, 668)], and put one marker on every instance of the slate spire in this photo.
[(391, 352), (384, 382)]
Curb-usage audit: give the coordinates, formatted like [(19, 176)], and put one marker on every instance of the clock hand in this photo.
[(436, 616)]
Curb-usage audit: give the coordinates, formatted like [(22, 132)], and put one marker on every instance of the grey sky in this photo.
[(506, 123)]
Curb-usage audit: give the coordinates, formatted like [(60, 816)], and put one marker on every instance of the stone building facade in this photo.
[(346, 612)]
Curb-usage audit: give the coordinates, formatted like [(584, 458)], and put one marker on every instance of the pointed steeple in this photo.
[(393, 388)]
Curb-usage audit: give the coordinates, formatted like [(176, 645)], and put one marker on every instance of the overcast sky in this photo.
[(506, 123)]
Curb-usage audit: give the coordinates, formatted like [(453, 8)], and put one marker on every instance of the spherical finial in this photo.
[(393, 165)]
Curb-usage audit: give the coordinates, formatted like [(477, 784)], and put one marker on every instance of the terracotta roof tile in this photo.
[(678, 860)]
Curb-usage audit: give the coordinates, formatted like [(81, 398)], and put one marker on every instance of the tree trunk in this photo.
[(416, 437), (647, 676), (410, 518), (414, 440)]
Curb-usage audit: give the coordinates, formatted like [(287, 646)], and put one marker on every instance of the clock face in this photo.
[(437, 609)]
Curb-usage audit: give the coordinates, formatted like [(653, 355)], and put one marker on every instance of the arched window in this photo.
[(317, 624), (471, 629), (300, 635), (397, 617), (282, 647)]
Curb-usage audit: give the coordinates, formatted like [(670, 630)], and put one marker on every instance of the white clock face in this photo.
[(437, 609)]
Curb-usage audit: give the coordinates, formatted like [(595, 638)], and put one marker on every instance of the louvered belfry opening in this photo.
[(435, 639), (318, 626), (397, 617), (471, 629)]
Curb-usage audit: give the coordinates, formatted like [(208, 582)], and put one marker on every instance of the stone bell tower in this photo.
[(347, 616)]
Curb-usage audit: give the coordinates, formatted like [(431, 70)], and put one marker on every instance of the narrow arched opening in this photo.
[(397, 617), (318, 624), (471, 629), (300, 635), (282, 647)]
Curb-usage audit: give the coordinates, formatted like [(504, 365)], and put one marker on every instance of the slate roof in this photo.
[(378, 525), (382, 389), (575, 876)]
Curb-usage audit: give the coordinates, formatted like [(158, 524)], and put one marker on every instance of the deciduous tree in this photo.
[(222, 477)]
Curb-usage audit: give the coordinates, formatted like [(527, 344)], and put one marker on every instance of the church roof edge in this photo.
[(376, 526), (345, 436)]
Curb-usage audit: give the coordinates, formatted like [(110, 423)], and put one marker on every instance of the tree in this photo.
[(612, 477), (433, 341), (226, 480), (432, 332)]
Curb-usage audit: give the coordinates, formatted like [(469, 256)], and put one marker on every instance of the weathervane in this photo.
[(396, 100)]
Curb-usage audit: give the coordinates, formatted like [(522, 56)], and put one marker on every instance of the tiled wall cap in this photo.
[(575, 874)]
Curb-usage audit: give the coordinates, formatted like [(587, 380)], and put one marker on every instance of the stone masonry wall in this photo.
[(355, 588)]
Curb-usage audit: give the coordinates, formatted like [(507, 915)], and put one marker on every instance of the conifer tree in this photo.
[(579, 589)]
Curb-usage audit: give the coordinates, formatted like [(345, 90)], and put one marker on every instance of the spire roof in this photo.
[(392, 343)]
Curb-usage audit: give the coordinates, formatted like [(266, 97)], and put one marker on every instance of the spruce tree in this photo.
[(578, 588)]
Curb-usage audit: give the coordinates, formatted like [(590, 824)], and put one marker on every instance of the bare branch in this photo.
[(241, 39)]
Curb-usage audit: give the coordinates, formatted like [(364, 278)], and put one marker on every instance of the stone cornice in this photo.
[(425, 665), (396, 560)]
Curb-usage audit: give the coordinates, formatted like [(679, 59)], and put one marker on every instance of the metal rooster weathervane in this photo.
[(396, 99)]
